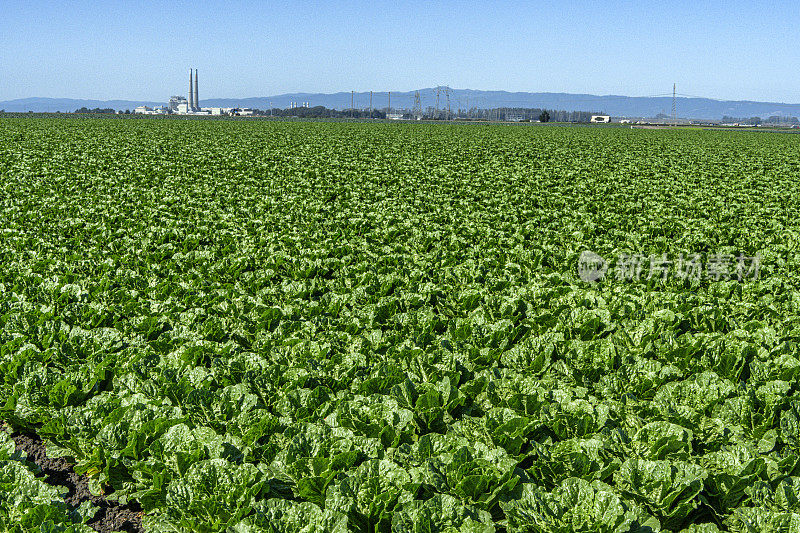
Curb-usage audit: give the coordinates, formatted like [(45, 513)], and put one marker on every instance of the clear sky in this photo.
[(142, 50)]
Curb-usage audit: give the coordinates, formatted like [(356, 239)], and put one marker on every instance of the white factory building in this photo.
[(144, 110)]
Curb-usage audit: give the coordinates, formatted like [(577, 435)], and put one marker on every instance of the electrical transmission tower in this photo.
[(443, 90), (417, 112), (674, 107)]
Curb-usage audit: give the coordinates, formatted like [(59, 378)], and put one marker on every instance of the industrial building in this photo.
[(178, 102), (144, 110), (178, 105)]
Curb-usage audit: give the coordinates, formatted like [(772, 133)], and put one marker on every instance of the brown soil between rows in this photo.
[(110, 517)]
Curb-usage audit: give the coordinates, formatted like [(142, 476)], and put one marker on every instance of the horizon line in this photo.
[(433, 88)]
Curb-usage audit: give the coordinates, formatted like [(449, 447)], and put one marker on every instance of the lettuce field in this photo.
[(255, 326)]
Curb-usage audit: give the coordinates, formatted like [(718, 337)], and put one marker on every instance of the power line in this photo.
[(682, 95)]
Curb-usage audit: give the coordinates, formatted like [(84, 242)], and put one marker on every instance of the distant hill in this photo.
[(67, 105), (626, 106)]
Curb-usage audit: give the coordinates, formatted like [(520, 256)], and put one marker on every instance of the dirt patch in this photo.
[(111, 516)]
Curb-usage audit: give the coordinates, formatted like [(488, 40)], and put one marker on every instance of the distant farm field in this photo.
[(255, 326)]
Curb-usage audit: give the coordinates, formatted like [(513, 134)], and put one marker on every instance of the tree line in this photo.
[(96, 110), (508, 114), (516, 114), (319, 112)]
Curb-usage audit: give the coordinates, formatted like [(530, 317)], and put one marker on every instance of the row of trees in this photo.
[(528, 114), (107, 110), (501, 114), (320, 112)]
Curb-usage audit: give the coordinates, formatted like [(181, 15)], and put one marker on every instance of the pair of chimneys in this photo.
[(194, 99)]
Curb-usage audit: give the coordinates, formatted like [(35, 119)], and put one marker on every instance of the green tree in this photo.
[(544, 117)]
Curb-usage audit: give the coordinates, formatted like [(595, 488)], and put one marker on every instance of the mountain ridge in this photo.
[(615, 105)]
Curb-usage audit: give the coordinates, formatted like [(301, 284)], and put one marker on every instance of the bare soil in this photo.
[(111, 516)]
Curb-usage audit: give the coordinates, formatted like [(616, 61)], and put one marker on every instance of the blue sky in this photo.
[(142, 50)]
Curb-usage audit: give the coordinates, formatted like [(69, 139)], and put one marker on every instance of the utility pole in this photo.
[(390, 103), (370, 104), (352, 103), (438, 90)]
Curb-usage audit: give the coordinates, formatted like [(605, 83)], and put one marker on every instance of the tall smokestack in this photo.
[(196, 94), (191, 92)]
